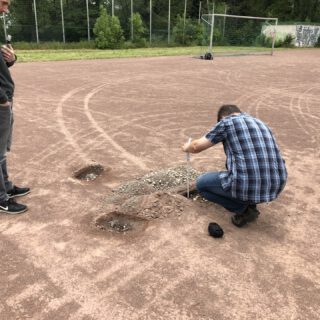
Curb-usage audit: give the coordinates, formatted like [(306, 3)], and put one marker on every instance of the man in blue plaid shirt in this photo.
[(255, 173)]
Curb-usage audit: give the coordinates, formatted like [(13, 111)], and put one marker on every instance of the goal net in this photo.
[(225, 34)]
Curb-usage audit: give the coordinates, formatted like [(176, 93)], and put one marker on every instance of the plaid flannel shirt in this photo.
[(256, 171)]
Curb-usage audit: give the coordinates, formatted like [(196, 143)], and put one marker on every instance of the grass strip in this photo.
[(88, 54)]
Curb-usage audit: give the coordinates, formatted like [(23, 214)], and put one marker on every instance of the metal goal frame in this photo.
[(211, 18)]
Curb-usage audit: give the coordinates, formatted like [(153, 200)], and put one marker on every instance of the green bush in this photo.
[(188, 33), (288, 41), (139, 31), (108, 32), (278, 43), (142, 43), (317, 44), (264, 41)]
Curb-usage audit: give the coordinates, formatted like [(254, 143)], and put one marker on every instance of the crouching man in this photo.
[(256, 171)]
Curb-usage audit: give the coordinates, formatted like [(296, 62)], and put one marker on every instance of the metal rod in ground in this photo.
[(188, 170)]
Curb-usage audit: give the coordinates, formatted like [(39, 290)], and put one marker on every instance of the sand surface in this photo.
[(131, 116)]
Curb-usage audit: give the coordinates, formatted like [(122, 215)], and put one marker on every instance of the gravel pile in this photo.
[(160, 205), (155, 195), (158, 181)]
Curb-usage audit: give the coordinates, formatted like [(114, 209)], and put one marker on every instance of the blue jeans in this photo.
[(6, 122), (209, 186)]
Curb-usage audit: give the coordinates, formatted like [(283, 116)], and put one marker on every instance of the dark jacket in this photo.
[(6, 82)]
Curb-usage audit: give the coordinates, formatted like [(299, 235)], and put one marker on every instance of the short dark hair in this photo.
[(226, 110)]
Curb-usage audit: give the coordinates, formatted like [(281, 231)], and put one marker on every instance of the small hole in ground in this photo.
[(89, 173), (119, 222), (193, 195)]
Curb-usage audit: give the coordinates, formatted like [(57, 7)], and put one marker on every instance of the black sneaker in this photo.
[(18, 192), (12, 207), (249, 215)]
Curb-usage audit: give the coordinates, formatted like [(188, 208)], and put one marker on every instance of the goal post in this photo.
[(226, 34)]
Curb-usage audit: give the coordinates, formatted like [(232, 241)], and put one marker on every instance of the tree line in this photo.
[(22, 17)]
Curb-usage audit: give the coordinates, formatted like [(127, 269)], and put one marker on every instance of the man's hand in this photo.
[(197, 146), (186, 146), (8, 53)]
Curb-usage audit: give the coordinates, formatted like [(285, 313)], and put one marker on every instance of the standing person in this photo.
[(255, 173), (7, 190)]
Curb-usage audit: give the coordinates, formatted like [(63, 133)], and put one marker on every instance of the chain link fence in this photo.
[(73, 20)]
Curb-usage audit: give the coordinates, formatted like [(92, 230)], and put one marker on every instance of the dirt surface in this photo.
[(131, 116)]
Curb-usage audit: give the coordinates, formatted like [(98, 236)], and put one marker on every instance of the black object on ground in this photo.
[(207, 56), (215, 230)]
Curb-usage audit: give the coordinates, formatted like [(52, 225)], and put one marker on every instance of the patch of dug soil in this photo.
[(155, 195), (162, 180), (120, 223), (156, 205), (89, 173)]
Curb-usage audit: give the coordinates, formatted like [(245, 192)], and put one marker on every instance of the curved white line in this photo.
[(132, 158), (62, 125)]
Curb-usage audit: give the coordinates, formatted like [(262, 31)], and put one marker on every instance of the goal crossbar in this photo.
[(234, 16), (209, 19)]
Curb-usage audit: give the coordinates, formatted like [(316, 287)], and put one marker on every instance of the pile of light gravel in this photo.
[(159, 180)]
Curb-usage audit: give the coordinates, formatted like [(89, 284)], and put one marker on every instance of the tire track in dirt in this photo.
[(61, 122), (308, 114), (135, 160), (71, 138), (32, 88), (123, 283), (124, 153), (308, 108), (51, 151), (157, 117), (256, 103), (35, 289), (46, 177), (264, 100), (21, 112), (245, 98), (74, 287), (86, 144), (120, 123), (297, 106), (142, 116)]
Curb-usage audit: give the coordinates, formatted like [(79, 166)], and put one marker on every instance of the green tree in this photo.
[(187, 32), (138, 30), (23, 28), (116, 33), (281, 9), (107, 31), (23, 20)]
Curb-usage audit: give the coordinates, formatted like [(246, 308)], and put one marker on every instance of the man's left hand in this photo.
[(8, 53), (185, 147)]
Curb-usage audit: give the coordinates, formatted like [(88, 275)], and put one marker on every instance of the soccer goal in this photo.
[(225, 34)]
